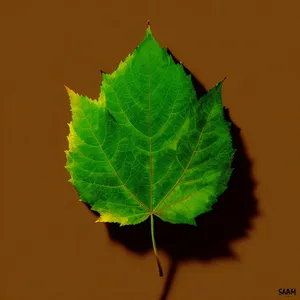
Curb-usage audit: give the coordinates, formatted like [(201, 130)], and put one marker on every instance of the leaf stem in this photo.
[(160, 270)]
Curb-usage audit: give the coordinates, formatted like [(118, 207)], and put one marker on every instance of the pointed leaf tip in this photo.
[(69, 91), (148, 30), (102, 74), (220, 83)]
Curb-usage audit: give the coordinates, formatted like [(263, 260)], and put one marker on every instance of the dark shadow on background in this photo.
[(229, 220)]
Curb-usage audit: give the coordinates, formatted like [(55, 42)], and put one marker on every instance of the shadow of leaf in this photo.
[(229, 220)]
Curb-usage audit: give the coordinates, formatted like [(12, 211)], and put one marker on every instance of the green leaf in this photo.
[(147, 146)]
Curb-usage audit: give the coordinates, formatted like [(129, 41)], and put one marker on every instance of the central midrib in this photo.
[(150, 131)]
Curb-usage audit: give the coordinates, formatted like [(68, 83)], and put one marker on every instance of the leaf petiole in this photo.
[(160, 270)]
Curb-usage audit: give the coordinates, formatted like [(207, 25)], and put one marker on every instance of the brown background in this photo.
[(50, 246)]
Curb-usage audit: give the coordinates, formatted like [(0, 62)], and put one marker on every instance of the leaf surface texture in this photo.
[(147, 145)]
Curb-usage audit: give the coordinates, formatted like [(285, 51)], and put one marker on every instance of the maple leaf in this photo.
[(147, 146)]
